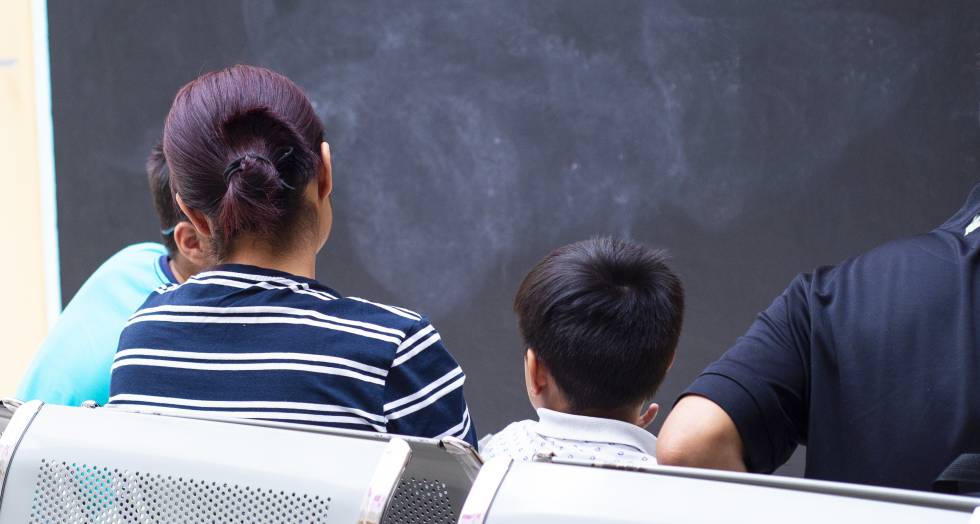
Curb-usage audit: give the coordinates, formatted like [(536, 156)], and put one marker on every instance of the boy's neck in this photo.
[(628, 415)]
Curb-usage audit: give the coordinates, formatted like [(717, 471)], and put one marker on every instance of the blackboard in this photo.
[(753, 139)]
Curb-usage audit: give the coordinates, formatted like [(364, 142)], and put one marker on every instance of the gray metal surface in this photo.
[(5, 415), (484, 489), (859, 491), (82, 493), (78, 465), (435, 484), (385, 481), (545, 493), (436, 481), (422, 501), (22, 415), (7, 408)]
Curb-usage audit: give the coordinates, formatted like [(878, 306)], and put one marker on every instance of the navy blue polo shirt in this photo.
[(873, 364)]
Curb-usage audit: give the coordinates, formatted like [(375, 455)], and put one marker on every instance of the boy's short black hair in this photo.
[(604, 316), (166, 207)]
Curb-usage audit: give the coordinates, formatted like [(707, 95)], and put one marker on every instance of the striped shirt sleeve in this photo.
[(424, 389)]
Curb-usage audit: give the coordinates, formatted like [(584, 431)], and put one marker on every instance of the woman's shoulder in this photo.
[(399, 321), (394, 313), (268, 292)]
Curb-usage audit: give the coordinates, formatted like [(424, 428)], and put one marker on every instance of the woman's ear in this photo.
[(325, 179), (197, 219)]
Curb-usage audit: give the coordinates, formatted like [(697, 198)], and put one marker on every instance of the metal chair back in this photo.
[(74, 465), (569, 492)]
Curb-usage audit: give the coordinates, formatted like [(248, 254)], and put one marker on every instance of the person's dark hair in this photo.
[(242, 144), (167, 210), (604, 316)]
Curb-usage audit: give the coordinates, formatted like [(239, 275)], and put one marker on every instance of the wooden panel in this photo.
[(23, 311)]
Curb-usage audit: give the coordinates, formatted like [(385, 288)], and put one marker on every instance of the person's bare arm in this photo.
[(699, 434)]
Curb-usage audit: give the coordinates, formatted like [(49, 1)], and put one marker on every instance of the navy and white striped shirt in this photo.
[(245, 342)]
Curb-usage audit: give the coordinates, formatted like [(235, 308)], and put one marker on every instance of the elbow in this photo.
[(699, 451), (677, 450), (699, 434)]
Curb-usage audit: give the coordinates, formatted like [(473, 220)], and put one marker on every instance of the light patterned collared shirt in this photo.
[(573, 437)]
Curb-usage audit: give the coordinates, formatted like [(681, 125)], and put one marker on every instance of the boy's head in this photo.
[(163, 201), (183, 245), (600, 320)]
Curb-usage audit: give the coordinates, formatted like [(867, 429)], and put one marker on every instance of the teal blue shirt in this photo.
[(74, 361)]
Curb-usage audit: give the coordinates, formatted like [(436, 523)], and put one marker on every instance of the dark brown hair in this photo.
[(604, 316), (163, 199), (242, 144)]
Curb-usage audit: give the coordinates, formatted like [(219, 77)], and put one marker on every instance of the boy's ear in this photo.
[(647, 416), (197, 219), (191, 246), (536, 374)]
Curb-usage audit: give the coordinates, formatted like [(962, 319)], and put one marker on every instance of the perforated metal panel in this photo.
[(68, 493), (421, 501)]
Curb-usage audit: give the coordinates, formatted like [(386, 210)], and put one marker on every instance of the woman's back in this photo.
[(246, 342), (257, 336)]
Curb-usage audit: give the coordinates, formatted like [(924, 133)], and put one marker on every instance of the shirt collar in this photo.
[(556, 424), (964, 216), (168, 274), (272, 273)]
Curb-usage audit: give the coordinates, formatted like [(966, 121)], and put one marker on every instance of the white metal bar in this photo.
[(45, 158)]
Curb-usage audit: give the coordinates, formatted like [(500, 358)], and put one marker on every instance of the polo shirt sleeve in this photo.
[(761, 382), (424, 389)]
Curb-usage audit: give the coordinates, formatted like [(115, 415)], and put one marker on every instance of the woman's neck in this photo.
[(295, 261)]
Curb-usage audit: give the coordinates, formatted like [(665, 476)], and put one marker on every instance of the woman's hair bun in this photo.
[(256, 194), (242, 144)]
